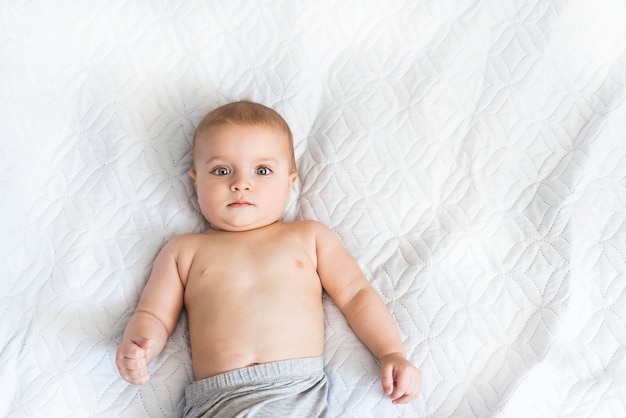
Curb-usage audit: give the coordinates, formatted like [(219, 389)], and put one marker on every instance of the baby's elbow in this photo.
[(359, 301)]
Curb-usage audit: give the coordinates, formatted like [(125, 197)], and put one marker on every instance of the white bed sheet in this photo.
[(470, 154)]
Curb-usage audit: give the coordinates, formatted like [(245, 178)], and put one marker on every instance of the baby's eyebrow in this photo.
[(268, 160), (262, 160), (214, 160)]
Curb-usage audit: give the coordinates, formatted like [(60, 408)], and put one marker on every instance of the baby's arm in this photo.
[(367, 315), (154, 319)]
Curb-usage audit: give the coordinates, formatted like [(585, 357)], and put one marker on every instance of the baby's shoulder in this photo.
[(312, 230), (306, 226), (184, 239), (184, 243)]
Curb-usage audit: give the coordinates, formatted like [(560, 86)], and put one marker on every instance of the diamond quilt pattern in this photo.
[(470, 154)]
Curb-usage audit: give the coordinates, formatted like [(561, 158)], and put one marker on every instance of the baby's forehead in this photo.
[(213, 132), (209, 136)]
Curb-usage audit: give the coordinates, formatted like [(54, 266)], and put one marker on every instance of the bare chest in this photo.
[(253, 263)]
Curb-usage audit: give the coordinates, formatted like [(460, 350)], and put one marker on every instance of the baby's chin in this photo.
[(241, 228)]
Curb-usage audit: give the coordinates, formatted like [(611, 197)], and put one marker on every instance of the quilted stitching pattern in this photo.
[(470, 155)]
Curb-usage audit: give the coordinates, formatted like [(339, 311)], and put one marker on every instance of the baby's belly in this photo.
[(249, 334)]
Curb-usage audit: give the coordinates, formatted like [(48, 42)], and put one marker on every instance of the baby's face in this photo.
[(243, 176)]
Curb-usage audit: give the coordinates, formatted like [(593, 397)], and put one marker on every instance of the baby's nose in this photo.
[(241, 182)]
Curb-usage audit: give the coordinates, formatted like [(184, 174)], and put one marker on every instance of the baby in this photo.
[(252, 284)]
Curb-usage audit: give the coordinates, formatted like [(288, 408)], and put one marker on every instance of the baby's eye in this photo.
[(221, 171), (263, 171)]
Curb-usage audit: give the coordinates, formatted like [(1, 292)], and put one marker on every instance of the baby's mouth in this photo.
[(240, 204)]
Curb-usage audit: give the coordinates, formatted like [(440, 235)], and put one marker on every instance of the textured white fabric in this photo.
[(470, 154)]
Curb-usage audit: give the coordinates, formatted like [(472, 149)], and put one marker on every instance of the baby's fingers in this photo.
[(132, 361), (136, 377), (138, 349), (408, 387), (387, 378), (401, 380), (401, 385), (403, 399), (134, 371)]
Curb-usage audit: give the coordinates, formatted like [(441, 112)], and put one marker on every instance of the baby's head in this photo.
[(243, 113), (243, 166)]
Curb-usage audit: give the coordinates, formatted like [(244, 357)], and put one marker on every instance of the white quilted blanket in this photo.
[(470, 154)]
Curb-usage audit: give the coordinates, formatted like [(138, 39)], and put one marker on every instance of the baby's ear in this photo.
[(193, 174), (292, 178)]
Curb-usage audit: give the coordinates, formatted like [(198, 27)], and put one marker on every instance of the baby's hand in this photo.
[(132, 360), (401, 380)]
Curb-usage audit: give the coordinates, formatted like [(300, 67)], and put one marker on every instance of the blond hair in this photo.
[(245, 113)]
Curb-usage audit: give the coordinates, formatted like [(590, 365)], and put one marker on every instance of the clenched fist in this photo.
[(132, 360)]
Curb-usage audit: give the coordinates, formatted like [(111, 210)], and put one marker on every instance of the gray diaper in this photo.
[(294, 388)]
